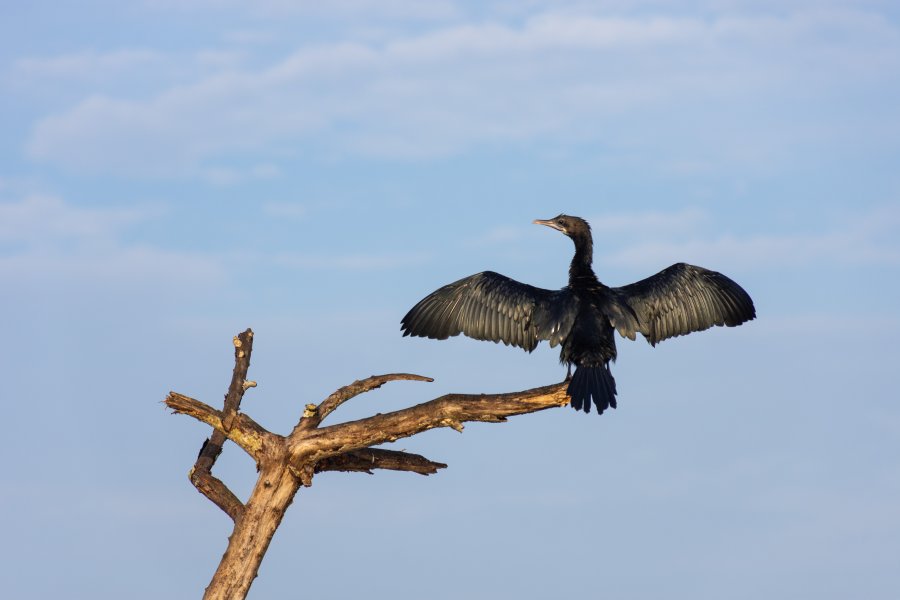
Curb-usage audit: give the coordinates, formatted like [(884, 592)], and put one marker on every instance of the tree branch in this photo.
[(201, 474), (286, 463), (243, 348), (245, 432), (214, 489), (451, 410), (377, 458), (315, 415)]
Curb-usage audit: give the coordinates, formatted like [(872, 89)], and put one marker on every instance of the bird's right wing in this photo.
[(490, 306), (682, 299)]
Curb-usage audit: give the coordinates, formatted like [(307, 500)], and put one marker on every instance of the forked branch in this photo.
[(314, 416), (451, 410), (287, 462), (252, 437)]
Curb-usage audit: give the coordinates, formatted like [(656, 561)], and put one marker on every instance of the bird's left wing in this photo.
[(490, 306), (682, 299)]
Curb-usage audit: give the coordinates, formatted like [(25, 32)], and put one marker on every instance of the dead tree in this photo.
[(286, 462)]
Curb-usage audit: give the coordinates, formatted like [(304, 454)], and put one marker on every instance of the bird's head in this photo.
[(574, 227), (579, 232)]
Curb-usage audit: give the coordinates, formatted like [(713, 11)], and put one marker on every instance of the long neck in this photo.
[(580, 269)]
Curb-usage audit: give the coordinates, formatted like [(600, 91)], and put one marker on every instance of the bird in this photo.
[(581, 317)]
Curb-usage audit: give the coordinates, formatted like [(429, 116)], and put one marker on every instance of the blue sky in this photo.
[(174, 172)]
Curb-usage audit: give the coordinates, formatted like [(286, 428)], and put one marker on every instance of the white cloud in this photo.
[(74, 77), (231, 175), (556, 77), (44, 239), (869, 238), (651, 223), (639, 225), (44, 219), (334, 9), (843, 326), (86, 65), (249, 36), (115, 265), (219, 59), (349, 262), (288, 210), (500, 235)]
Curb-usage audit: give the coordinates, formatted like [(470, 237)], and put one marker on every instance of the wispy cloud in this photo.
[(499, 235), (557, 76), (349, 262), (45, 239), (86, 65), (841, 326), (249, 36), (335, 9), (43, 219), (652, 223), (74, 77), (869, 238), (654, 239), (231, 175), (290, 210), (113, 265)]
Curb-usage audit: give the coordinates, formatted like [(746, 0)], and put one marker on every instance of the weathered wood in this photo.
[(313, 416), (451, 410), (217, 492), (273, 493), (243, 348), (377, 458), (252, 437), (201, 474), (287, 462)]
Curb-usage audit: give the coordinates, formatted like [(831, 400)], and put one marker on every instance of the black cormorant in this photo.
[(581, 316)]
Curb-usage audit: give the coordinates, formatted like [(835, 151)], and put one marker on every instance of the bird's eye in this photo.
[(559, 221)]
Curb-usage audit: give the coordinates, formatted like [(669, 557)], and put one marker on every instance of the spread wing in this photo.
[(682, 299), (490, 306)]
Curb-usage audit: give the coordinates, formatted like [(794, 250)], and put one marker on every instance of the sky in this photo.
[(172, 173)]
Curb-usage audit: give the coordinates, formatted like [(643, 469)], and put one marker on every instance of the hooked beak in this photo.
[(548, 222)]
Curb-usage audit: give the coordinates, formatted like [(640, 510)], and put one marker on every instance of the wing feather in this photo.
[(682, 299), (490, 306)]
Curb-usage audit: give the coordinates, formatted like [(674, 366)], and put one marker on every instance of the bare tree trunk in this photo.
[(273, 493), (287, 462)]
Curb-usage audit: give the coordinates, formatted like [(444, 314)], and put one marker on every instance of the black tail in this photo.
[(596, 382)]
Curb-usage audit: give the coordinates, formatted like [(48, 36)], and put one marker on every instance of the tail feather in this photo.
[(595, 383)]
